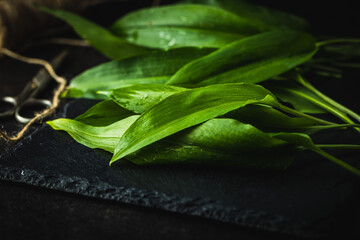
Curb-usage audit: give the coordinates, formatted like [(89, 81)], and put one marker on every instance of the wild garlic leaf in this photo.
[(186, 109), (99, 127), (104, 113), (200, 144), (252, 59), (264, 18), (214, 142), (177, 37), (102, 137), (100, 38), (219, 141), (154, 67), (186, 15), (260, 70), (193, 145), (140, 97), (182, 25)]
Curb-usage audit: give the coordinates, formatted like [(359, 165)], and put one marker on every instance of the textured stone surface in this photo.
[(307, 200)]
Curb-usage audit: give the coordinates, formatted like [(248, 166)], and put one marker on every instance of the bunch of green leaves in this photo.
[(205, 82)]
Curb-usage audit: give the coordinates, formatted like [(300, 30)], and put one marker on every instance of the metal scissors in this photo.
[(26, 99)]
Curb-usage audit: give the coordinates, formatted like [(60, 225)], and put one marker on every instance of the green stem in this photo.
[(330, 59), (339, 146), (342, 108), (338, 161), (326, 107), (334, 126), (340, 40), (301, 114), (325, 67), (328, 74), (347, 65)]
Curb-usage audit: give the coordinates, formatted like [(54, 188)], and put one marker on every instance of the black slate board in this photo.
[(313, 198)]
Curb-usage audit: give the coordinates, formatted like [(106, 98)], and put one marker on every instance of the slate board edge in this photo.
[(173, 203)]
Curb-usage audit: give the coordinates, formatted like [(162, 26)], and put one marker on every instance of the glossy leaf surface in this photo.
[(155, 67), (104, 113), (262, 17), (177, 37), (183, 25), (99, 127), (140, 97), (186, 109), (100, 38), (253, 59), (219, 141)]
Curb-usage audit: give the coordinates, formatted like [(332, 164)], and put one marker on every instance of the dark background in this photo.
[(30, 212)]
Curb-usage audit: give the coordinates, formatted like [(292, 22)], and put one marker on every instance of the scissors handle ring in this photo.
[(30, 102), (9, 100)]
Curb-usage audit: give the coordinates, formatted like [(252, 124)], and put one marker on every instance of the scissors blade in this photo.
[(5, 102)]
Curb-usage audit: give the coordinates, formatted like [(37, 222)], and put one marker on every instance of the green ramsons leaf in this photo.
[(155, 67), (216, 141), (186, 109), (182, 25), (140, 97), (99, 37), (104, 113), (180, 124), (252, 59), (177, 37), (99, 127), (103, 137), (264, 18), (220, 141)]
